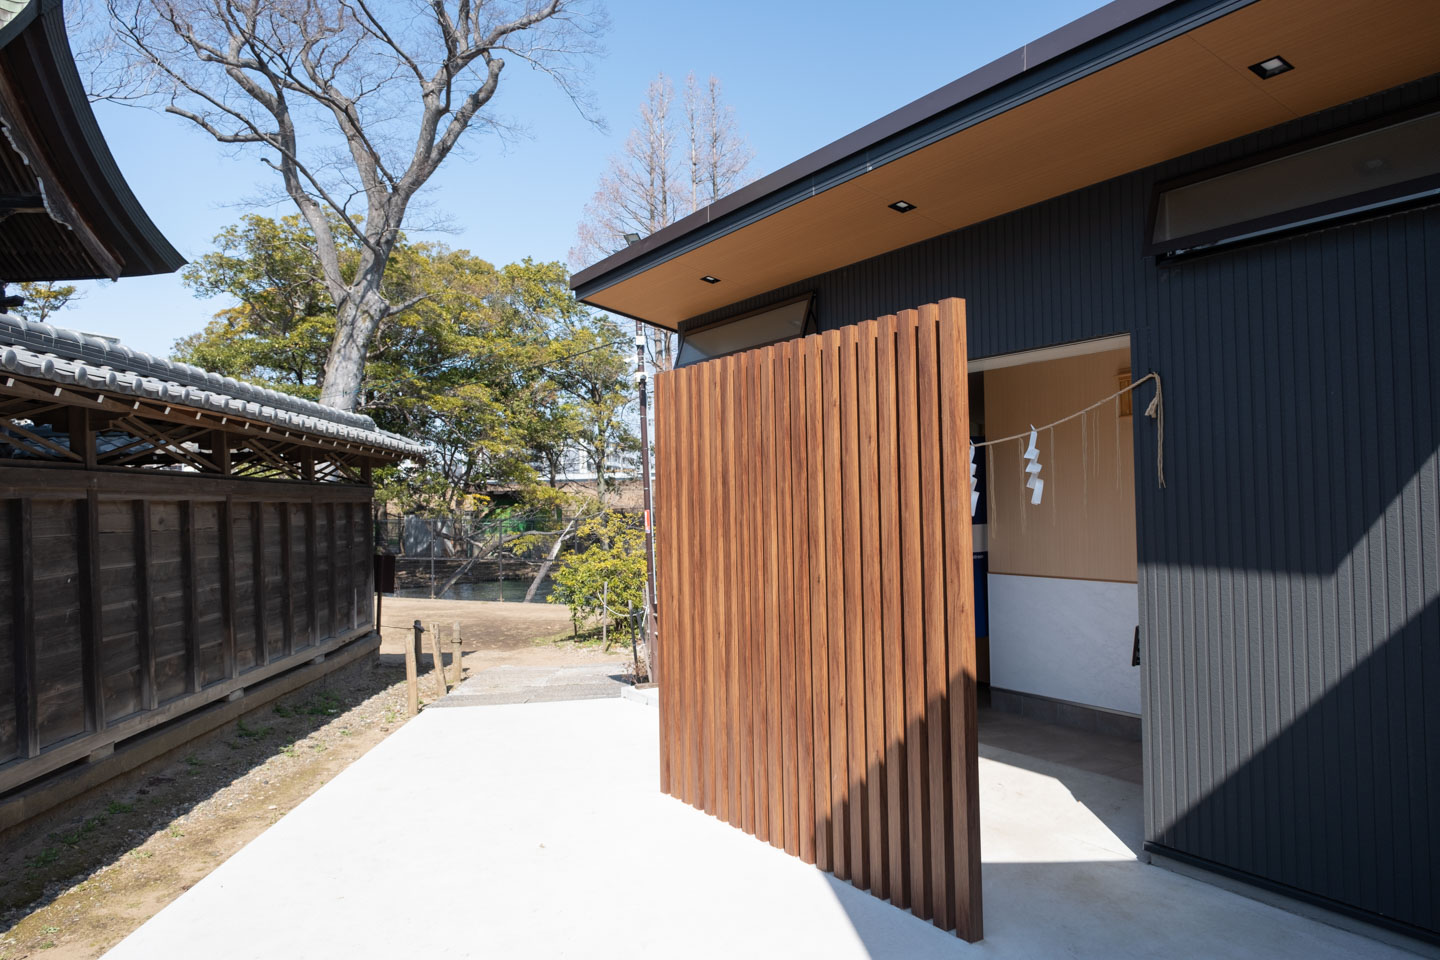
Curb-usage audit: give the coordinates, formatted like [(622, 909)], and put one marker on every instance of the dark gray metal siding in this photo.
[(1289, 572)]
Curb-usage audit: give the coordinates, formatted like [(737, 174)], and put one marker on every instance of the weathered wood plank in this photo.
[(23, 637), (190, 584), (144, 592), (227, 584), (91, 600)]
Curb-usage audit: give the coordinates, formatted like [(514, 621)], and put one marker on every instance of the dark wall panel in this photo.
[(1289, 571), (168, 603), (125, 599), (119, 609), (9, 733), (59, 684), (247, 633), (208, 595)]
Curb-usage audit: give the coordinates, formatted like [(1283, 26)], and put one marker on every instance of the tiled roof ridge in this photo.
[(70, 356)]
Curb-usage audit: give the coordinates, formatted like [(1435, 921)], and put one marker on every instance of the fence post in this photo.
[(441, 687), (455, 653), (412, 667), (605, 617)]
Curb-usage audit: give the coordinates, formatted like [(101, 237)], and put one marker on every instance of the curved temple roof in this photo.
[(72, 358), (66, 212)]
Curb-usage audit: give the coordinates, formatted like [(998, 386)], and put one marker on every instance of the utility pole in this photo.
[(650, 602)]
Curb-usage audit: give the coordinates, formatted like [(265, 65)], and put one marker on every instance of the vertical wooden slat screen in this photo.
[(816, 604)]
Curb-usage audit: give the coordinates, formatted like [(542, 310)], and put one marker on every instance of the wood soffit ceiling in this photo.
[(1182, 95)]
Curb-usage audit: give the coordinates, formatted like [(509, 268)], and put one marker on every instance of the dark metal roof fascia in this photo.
[(99, 190), (1113, 33)]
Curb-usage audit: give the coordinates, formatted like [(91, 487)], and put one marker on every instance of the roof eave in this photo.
[(1115, 31)]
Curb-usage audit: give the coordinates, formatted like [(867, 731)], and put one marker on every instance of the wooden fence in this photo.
[(132, 598), (816, 604)]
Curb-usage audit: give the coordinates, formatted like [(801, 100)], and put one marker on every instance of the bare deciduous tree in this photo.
[(663, 174), (354, 103)]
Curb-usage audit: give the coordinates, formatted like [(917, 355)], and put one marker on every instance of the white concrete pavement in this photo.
[(538, 830)]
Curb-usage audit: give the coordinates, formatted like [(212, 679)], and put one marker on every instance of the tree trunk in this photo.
[(355, 323)]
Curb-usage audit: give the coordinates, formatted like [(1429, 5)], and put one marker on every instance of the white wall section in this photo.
[(1067, 639)]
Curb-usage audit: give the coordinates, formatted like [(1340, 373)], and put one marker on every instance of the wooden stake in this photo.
[(457, 670), (412, 685), (441, 687)]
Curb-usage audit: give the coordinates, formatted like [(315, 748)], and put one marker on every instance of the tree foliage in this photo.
[(45, 299), (610, 571), (501, 371)]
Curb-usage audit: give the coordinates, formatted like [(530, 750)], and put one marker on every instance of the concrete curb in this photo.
[(650, 696)]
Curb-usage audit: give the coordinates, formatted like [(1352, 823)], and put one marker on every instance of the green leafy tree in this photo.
[(609, 571), (43, 300), (502, 371)]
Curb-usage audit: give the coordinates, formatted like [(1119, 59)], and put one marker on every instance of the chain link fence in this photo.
[(471, 557)]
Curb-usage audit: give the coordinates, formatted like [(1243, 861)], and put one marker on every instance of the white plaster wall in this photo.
[(1068, 639)]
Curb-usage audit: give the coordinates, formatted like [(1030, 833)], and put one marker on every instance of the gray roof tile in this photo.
[(79, 359)]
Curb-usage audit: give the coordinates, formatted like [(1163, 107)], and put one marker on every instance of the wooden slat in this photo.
[(724, 540), (770, 575), (710, 581), (752, 675), (871, 638), (960, 624), (932, 578), (817, 601), (911, 619), (857, 821), (836, 606), (819, 587), (786, 569), (735, 559), (892, 605), (804, 658), (664, 434)]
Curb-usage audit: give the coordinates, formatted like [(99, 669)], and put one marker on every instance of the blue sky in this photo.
[(799, 74)]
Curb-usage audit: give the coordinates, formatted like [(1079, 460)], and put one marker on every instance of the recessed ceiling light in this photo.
[(902, 206), (709, 279), (1272, 67)]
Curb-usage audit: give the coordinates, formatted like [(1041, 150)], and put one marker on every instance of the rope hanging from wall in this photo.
[(1156, 411)]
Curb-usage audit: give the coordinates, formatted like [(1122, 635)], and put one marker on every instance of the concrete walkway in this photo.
[(511, 684), (538, 831)]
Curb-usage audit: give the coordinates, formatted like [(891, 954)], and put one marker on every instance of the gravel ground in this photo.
[(78, 879)]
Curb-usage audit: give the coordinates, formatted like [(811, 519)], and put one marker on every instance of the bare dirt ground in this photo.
[(77, 880)]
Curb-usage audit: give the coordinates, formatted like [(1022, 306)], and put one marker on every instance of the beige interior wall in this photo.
[(1084, 527)]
